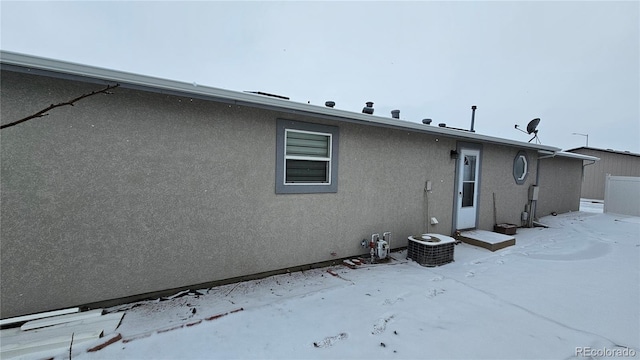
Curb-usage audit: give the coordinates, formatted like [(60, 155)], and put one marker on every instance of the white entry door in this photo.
[(467, 204)]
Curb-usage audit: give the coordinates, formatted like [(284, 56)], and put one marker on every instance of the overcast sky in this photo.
[(575, 65)]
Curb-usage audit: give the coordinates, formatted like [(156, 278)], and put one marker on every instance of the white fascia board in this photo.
[(253, 100), (576, 156)]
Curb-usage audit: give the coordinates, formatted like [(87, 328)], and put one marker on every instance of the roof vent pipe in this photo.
[(368, 109), (395, 114), (426, 121), (442, 125), (473, 116), (330, 104)]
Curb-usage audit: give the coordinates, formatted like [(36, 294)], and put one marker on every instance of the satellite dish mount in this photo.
[(531, 129)]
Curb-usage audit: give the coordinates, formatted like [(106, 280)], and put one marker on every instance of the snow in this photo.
[(591, 205), (487, 236), (560, 292), (439, 239)]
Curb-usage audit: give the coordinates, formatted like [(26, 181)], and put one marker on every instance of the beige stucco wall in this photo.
[(497, 177), (560, 180), (137, 192)]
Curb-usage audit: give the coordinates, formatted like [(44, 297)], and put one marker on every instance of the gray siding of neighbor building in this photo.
[(139, 192), (613, 163), (559, 185)]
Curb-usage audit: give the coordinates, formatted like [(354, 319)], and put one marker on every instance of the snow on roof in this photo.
[(57, 68)]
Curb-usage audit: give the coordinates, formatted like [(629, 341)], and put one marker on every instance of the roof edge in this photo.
[(576, 156), (248, 99), (602, 150)]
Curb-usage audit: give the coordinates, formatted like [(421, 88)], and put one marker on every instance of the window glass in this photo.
[(308, 144), (467, 193), (469, 173), (520, 167), (306, 157), (305, 171)]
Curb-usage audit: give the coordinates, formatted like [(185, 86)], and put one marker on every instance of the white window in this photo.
[(520, 167), (306, 157)]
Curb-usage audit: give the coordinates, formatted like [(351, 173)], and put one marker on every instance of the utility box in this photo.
[(533, 192)]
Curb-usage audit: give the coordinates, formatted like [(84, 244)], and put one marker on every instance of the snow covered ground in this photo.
[(561, 292)]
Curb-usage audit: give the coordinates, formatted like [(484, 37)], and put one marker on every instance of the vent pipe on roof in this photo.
[(426, 121), (442, 125), (395, 114), (473, 117), (330, 104), (368, 109)]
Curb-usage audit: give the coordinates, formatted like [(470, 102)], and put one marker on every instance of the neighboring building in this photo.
[(616, 163), (167, 185)]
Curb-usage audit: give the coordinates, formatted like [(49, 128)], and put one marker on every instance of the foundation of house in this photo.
[(486, 239)]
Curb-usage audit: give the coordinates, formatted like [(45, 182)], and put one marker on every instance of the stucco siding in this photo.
[(138, 192), (560, 180), (497, 177)]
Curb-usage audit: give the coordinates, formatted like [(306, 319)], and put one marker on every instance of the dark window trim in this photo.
[(284, 188)]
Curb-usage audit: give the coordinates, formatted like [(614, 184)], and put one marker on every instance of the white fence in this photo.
[(622, 195)]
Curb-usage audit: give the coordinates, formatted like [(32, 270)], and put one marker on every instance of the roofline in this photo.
[(603, 150), (80, 72)]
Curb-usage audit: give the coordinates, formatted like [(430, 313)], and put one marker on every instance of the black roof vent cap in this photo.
[(368, 109)]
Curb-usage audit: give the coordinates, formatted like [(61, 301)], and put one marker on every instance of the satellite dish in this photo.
[(533, 124), (532, 129)]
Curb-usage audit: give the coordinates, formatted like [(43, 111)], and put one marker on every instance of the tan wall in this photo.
[(137, 192), (497, 177), (610, 163), (559, 191)]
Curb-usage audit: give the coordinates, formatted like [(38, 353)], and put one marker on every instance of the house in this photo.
[(613, 162), (559, 182), (165, 185)]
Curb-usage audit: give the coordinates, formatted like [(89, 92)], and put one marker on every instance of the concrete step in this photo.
[(486, 239)]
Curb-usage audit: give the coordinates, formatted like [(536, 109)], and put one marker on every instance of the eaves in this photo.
[(43, 66)]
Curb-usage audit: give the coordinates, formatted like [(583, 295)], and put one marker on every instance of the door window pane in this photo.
[(468, 190), (469, 172)]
